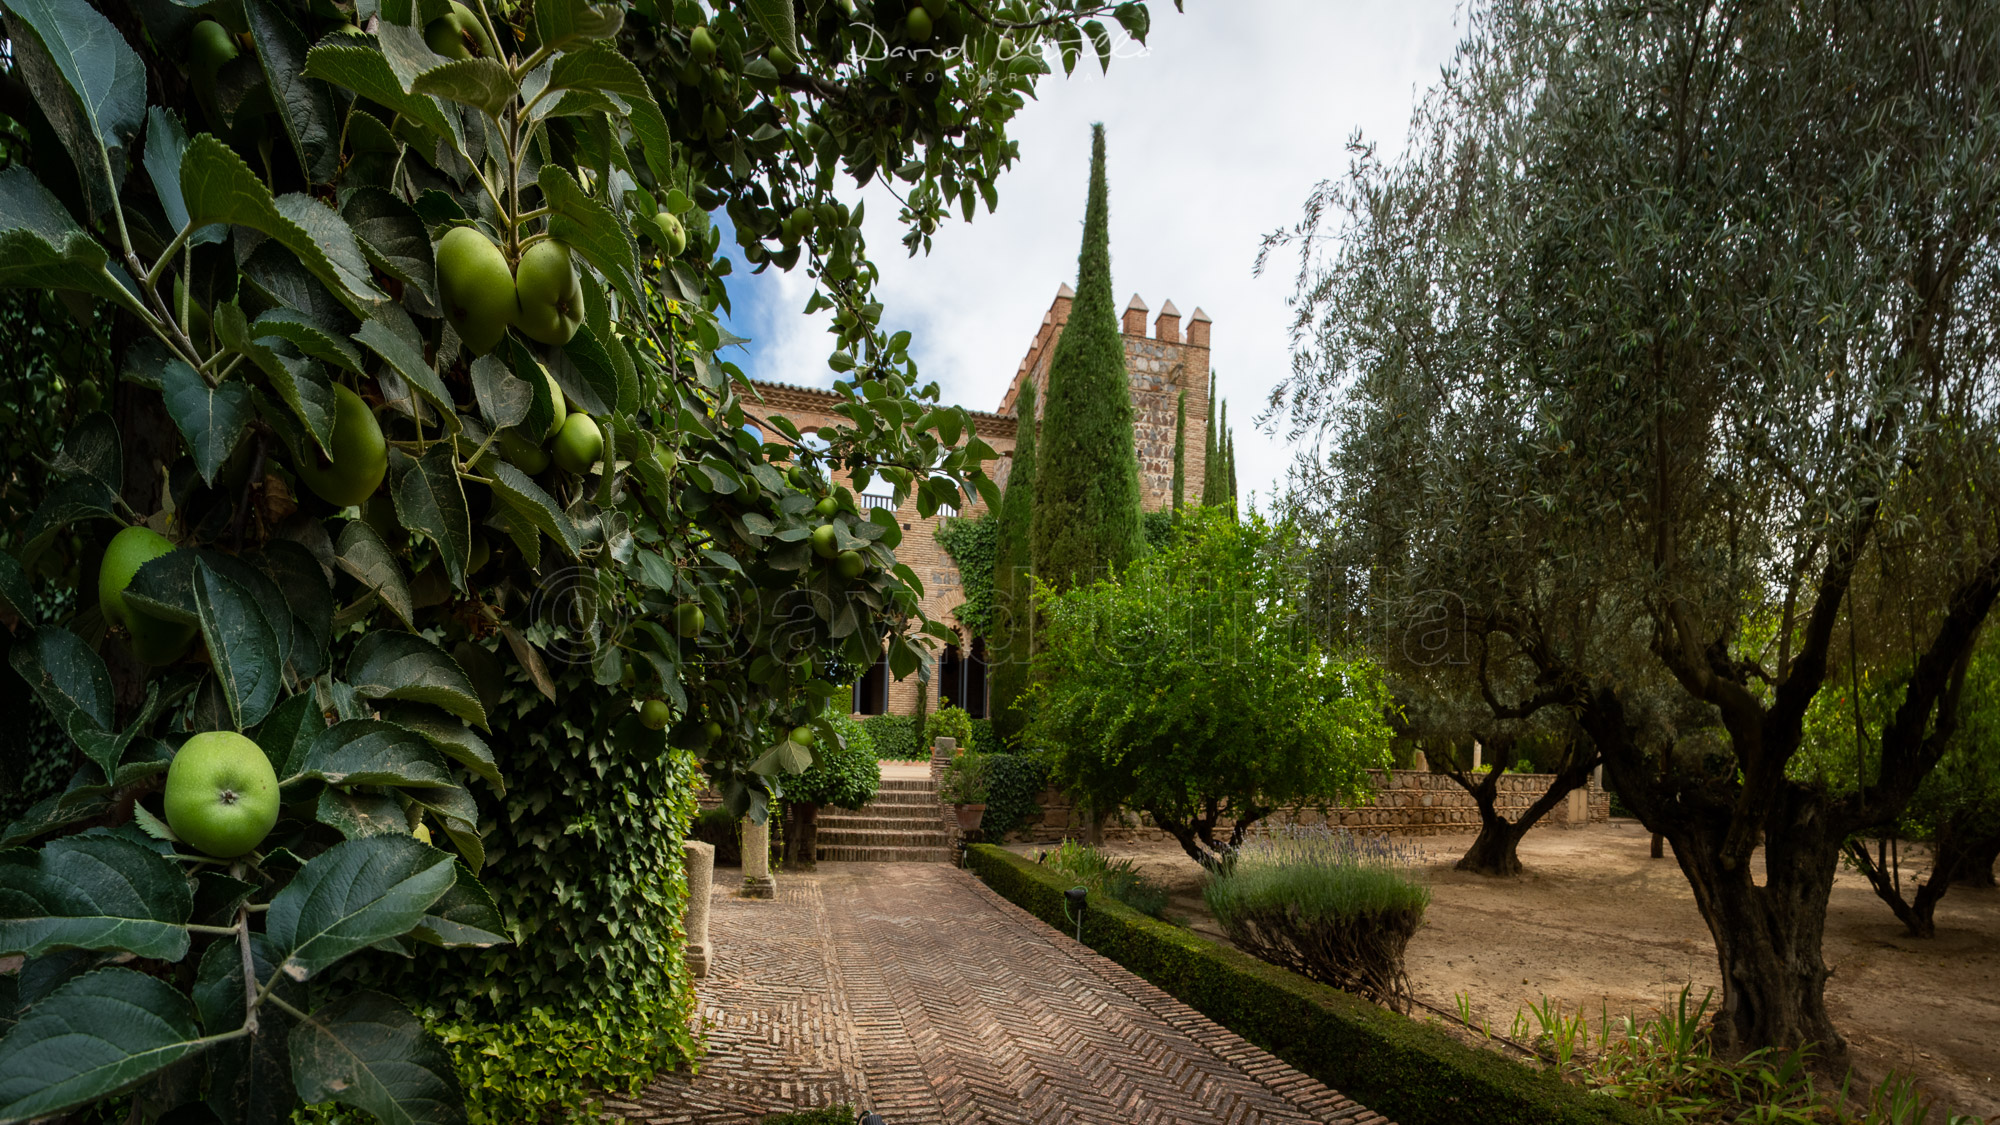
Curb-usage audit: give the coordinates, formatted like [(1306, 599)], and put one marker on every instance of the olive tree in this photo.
[(1673, 327)]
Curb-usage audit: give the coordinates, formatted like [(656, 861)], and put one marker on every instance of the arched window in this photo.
[(871, 691)]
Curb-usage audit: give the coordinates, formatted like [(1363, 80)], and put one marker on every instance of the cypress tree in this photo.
[(1087, 498), (1229, 460), (1180, 450), (1210, 452), (1013, 643)]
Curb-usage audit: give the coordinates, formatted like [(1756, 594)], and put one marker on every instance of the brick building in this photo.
[(1159, 367)]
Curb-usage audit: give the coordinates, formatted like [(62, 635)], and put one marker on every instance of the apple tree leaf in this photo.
[(242, 644), (97, 1034), (387, 664), (368, 1051), (351, 896), (93, 892), (431, 501)]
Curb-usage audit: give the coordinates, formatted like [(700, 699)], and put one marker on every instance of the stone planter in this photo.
[(969, 816)]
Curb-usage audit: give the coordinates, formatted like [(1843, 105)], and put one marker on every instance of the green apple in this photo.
[(550, 292), (522, 453), (701, 45), (918, 25), (555, 400), (222, 794), (781, 59), (360, 455), (579, 444), (688, 619), (476, 286), (824, 544), (673, 235), (803, 736), (155, 640), (850, 564), (458, 34), (482, 553), (210, 47), (826, 507), (655, 714)]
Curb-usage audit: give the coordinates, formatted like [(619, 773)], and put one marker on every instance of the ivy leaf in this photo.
[(391, 334), (304, 105), (41, 247), (97, 1034), (71, 48), (592, 230), (386, 664), (298, 380), (431, 502), (482, 84), (371, 752), (220, 188), (71, 681), (526, 498), (368, 1051), (464, 916), (242, 645), (351, 896), (214, 420), (362, 554), (93, 892)]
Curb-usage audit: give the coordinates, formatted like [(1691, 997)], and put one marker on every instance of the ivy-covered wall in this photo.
[(974, 545)]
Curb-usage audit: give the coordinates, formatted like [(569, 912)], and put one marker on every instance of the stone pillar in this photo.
[(1579, 808), (700, 863), (757, 881), (1421, 764), (1477, 752)]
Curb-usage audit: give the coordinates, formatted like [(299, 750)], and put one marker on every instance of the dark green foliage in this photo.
[(1399, 1068), (982, 734), (1211, 461), (1087, 498), (1159, 527), (831, 1115), (842, 774), (974, 547), (1180, 450), (716, 826), (964, 781), (895, 738), (1081, 864), (1013, 784), (1011, 641), (952, 722)]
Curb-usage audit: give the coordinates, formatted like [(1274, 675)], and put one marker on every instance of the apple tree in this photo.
[(422, 500)]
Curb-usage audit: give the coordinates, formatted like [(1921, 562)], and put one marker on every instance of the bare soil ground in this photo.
[(1598, 925)]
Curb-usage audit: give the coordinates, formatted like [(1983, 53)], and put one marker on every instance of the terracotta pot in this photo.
[(969, 816)]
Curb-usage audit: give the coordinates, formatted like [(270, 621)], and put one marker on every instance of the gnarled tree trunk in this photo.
[(1977, 868), (802, 835), (1496, 850)]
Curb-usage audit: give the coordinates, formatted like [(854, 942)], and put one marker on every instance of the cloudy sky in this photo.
[(1214, 138)]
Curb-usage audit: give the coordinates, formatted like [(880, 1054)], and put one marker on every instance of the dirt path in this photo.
[(1598, 925)]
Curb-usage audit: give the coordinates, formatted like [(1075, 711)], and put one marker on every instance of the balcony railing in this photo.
[(888, 502)]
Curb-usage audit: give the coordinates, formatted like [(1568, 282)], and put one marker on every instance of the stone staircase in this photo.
[(903, 824)]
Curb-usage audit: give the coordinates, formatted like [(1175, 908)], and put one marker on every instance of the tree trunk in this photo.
[(1767, 938), (1497, 850), (1976, 870), (1916, 917), (1659, 846), (802, 835)]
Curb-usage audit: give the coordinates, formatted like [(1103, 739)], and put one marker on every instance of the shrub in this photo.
[(842, 774), (1115, 877), (1013, 782), (950, 722), (965, 779), (982, 735), (895, 738), (1336, 907), (831, 1115), (716, 826)]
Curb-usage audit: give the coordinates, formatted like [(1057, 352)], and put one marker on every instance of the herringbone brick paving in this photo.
[(917, 992)]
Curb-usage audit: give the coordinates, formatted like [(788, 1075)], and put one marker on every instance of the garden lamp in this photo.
[(872, 1119), (1074, 897)]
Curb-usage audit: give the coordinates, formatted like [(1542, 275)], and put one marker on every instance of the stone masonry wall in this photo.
[(1406, 803)]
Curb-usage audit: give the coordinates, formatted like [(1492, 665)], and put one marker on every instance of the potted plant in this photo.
[(963, 787)]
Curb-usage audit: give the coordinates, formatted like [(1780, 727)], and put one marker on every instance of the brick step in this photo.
[(885, 838), (908, 785), (906, 799), (848, 854), (863, 823)]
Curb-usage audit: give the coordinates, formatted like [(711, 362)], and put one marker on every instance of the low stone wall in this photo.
[(1406, 803)]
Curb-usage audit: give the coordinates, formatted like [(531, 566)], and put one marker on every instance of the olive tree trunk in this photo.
[(802, 835)]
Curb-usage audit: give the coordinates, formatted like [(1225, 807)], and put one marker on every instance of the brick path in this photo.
[(915, 991)]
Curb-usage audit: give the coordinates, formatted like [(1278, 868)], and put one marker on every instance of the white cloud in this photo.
[(1214, 138)]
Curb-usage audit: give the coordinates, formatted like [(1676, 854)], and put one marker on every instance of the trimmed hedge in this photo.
[(895, 738), (1397, 1067)]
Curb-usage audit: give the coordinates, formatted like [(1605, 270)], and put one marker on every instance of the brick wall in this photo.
[(1406, 802)]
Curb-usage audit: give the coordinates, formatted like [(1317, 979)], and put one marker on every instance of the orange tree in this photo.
[(423, 502)]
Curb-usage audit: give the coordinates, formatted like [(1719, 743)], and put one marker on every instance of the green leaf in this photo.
[(482, 84), (394, 238), (299, 381), (600, 67), (775, 17), (250, 1079), (74, 45), (367, 72), (214, 420), (17, 594), (166, 140), (464, 916), (70, 680), (221, 188), (391, 334), (371, 752), (362, 554), (351, 896), (41, 247), (386, 664), (503, 400), (431, 502), (450, 737), (93, 892), (242, 645), (583, 369), (561, 22), (592, 230), (308, 333), (289, 731), (356, 814), (304, 105), (93, 1036), (368, 1051), (301, 581), (526, 498)]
